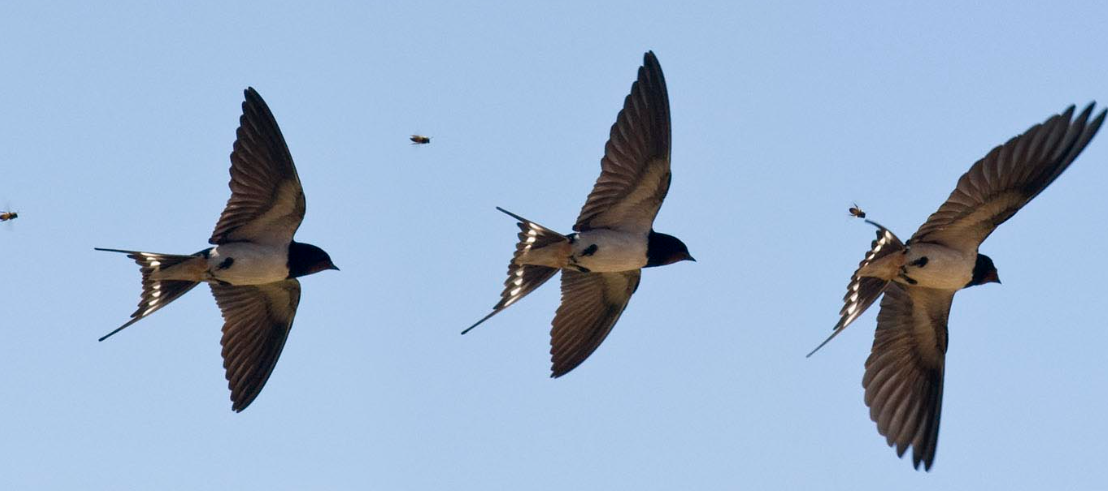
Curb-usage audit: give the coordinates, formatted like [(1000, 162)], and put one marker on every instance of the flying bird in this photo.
[(8, 215), (904, 373), (614, 237), (420, 139), (254, 266)]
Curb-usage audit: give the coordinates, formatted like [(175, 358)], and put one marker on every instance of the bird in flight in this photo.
[(254, 264), (904, 373), (614, 237)]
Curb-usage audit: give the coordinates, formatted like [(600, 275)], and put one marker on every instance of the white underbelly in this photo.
[(250, 264), (612, 251), (946, 268)]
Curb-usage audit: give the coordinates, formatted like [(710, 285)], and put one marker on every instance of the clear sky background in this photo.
[(116, 122)]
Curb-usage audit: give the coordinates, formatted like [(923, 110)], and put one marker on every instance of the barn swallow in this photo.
[(253, 267), (904, 373), (614, 237)]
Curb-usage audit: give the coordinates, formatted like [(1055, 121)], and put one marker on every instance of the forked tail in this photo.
[(864, 290), (524, 278), (156, 292)]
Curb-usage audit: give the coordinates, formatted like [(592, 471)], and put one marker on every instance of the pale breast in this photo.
[(944, 268), (242, 263), (609, 251)]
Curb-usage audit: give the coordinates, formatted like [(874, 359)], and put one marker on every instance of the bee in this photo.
[(420, 139), (8, 215), (856, 211)]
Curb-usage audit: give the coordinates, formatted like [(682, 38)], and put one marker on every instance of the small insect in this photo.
[(420, 139), (856, 211), (8, 215)]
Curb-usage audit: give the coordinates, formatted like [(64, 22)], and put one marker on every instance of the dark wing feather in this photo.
[(591, 305), (634, 177), (997, 186), (257, 320), (904, 372), (267, 201)]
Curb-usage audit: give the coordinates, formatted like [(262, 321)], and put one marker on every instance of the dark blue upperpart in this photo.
[(983, 272), (305, 259), (662, 249)]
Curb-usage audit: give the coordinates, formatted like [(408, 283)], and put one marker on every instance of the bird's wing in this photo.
[(634, 176), (257, 320), (904, 372), (997, 186), (591, 305), (267, 201)]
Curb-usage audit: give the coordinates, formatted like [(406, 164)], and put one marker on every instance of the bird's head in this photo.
[(305, 259), (662, 249), (983, 272)]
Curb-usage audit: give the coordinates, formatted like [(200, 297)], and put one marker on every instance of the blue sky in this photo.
[(116, 122)]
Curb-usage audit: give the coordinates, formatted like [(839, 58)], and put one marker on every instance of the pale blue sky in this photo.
[(116, 122)]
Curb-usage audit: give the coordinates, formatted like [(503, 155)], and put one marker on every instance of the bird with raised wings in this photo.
[(904, 373), (254, 266), (614, 237)]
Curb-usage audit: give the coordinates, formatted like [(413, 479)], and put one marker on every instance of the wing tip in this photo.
[(1095, 124), (559, 368)]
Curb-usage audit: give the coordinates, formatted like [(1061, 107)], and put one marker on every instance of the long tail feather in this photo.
[(864, 290), (156, 293), (524, 278)]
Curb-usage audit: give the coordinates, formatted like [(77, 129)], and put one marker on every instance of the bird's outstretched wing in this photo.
[(634, 176), (267, 202), (904, 372), (257, 320), (997, 186), (591, 305)]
